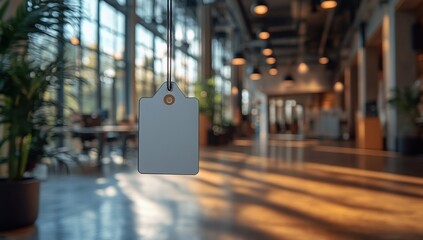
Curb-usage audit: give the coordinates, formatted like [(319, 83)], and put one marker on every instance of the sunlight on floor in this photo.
[(249, 190)]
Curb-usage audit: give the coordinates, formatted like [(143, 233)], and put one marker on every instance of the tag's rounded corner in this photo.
[(139, 168), (141, 172), (141, 99), (196, 173)]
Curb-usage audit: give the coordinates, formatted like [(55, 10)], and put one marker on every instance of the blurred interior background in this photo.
[(295, 96)]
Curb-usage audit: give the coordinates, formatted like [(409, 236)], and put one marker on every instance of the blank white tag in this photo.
[(168, 133)]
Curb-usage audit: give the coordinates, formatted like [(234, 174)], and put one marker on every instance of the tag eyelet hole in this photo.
[(169, 99)]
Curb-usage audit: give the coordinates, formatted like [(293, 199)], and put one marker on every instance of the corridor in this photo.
[(251, 189)]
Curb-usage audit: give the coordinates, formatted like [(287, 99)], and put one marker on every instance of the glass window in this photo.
[(112, 43), (120, 95), (160, 11), (107, 16), (89, 90), (89, 34), (121, 2), (145, 10), (144, 37), (150, 52), (120, 23), (120, 47), (70, 31), (89, 58), (222, 78), (107, 41), (112, 64), (107, 63), (89, 9), (145, 62)]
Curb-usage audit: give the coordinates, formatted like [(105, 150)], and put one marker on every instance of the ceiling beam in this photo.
[(293, 41), (239, 17), (325, 35)]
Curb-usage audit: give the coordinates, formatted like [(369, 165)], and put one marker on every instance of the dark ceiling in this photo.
[(297, 27)]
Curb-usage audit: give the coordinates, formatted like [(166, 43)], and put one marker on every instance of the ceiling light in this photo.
[(74, 41), (273, 70), (328, 4), (259, 7), (255, 74), (238, 59), (234, 90), (289, 79), (302, 68), (323, 60), (267, 51), (338, 87), (263, 34), (271, 60), (118, 56)]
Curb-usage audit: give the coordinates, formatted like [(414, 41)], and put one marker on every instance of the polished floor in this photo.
[(272, 189)]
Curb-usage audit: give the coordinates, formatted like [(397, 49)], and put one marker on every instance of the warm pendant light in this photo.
[(338, 87), (255, 74), (323, 60), (263, 34), (238, 59), (74, 41), (267, 51), (259, 7), (270, 60), (273, 70), (328, 4), (289, 79), (234, 90), (302, 68)]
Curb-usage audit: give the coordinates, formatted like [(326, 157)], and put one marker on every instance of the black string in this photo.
[(169, 44)]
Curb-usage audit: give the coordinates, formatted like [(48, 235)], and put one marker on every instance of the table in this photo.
[(100, 132)]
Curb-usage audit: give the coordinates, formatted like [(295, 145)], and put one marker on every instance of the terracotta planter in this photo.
[(19, 201), (204, 126)]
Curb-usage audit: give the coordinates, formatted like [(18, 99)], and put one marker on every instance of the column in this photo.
[(131, 103), (389, 69), (348, 99), (398, 62), (205, 63), (369, 134), (372, 76), (354, 97), (361, 78), (206, 41), (361, 106)]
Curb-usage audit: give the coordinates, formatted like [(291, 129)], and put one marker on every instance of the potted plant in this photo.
[(407, 100), (26, 78)]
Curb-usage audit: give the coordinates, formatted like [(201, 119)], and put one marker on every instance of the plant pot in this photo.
[(409, 145), (204, 126), (18, 203)]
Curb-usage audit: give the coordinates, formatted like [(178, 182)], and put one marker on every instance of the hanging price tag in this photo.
[(168, 133)]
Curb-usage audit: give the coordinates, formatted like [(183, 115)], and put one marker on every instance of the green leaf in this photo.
[(26, 77)]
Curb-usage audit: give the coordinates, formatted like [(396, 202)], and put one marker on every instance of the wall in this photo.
[(316, 80)]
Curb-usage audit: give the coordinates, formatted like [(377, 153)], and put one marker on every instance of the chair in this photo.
[(131, 137), (88, 120)]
